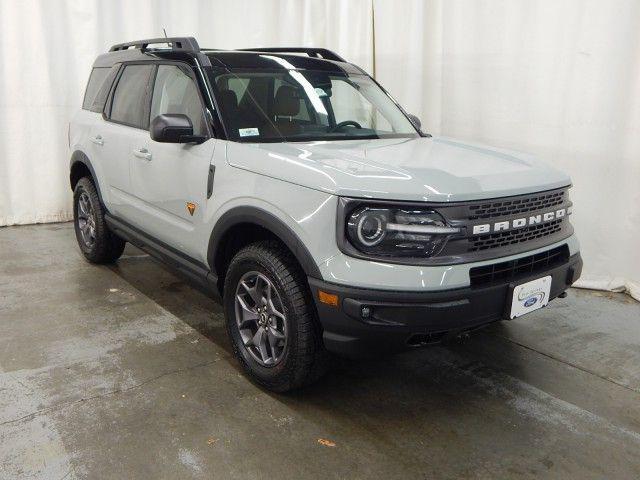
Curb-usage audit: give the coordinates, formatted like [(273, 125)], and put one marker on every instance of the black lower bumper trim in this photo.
[(369, 321)]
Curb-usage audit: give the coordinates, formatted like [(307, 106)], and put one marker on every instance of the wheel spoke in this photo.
[(274, 341), (84, 205), (260, 342), (248, 316), (247, 337), (262, 288), (274, 311), (266, 291), (252, 291), (276, 334)]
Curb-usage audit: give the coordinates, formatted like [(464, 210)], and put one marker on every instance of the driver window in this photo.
[(349, 104), (175, 92)]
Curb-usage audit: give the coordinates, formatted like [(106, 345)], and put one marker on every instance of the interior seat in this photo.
[(229, 105), (286, 106)]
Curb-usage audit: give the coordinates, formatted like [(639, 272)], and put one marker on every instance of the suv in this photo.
[(289, 184)]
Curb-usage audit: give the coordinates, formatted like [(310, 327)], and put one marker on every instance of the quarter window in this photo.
[(176, 92), (96, 79), (129, 98)]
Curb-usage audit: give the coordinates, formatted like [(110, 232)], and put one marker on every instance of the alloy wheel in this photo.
[(260, 318), (86, 220)]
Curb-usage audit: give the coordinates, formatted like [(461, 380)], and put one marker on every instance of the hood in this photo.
[(422, 169)]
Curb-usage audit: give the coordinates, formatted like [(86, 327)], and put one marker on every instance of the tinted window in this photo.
[(96, 79), (176, 92), (101, 97), (129, 98), (306, 105)]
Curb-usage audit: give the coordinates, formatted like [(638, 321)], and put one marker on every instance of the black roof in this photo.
[(187, 49), (235, 59)]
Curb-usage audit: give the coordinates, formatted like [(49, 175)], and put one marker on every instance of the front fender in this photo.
[(264, 219)]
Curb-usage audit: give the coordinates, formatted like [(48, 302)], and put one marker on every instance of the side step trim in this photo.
[(194, 270)]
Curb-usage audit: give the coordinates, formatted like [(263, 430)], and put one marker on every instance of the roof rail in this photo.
[(185, 44), (312, 52)]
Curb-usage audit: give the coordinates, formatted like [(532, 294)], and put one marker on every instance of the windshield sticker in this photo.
[(321, 93), (248, 132)]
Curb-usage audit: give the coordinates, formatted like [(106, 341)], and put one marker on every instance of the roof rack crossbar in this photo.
[(185, 44), (312, 52)]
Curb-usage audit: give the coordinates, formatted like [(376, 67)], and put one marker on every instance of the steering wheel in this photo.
[(344, 124)]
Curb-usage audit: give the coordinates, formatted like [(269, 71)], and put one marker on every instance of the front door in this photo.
[(170, 179)]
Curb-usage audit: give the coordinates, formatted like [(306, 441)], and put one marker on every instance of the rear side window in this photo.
[(130, 96), (96, 79)]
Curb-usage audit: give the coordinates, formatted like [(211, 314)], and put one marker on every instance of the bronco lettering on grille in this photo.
[(520, 222)]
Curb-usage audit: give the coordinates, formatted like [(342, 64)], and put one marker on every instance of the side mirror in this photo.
[(415, 120), (173, 128)]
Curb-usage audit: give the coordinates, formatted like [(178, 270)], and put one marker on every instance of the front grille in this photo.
[(519, 268), (513, 237), (504, 208)]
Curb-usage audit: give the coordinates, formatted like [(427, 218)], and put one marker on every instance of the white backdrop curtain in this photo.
[(47, 48), (557, 79)]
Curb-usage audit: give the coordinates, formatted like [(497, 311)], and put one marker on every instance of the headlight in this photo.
[(398, 232)]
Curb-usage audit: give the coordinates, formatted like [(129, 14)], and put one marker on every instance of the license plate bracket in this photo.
[(529, 296)]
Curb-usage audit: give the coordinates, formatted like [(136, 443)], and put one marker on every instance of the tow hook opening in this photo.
[(448, 337), (423, 339)]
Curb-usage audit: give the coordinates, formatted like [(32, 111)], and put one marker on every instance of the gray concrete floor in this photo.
[(125, 372)]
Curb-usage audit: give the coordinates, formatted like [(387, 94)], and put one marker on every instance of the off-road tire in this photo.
[(304, 359), (107, 246)]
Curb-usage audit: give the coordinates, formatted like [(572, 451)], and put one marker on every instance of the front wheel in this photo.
[(271, 319)]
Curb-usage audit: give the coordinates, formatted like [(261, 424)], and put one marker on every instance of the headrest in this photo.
[(229, 100), (287, 102)]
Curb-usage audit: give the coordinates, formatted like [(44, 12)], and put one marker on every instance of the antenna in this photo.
[(165, 33)]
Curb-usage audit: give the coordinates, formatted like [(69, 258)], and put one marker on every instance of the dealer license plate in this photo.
[(530, 296)]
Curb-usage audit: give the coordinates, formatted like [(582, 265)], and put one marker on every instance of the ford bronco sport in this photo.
[(287, 182)]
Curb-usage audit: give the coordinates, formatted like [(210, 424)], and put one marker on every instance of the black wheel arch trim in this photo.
[(268, 221), (79, 156)]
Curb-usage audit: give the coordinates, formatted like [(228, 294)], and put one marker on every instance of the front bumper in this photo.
[(399, 320)]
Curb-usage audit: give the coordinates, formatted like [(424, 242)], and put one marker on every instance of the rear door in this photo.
[(170, 179), (126, 113)]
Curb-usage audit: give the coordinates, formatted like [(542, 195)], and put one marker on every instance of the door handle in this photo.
[(97, 140), (143, 153)]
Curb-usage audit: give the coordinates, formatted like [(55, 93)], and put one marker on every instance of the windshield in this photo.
[(304, 105)]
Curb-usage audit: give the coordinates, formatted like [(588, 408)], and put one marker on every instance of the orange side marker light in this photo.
[(328, 298)]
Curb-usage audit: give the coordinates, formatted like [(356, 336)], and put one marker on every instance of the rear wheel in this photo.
[(271, 319), (97, 243)]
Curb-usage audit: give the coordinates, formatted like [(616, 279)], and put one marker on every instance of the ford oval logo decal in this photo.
[(530, 301)]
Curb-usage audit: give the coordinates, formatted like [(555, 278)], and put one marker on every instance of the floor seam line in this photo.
[(564, 362), (63, 405)]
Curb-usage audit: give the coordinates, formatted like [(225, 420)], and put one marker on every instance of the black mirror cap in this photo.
[(416, 121), (173, 128)]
